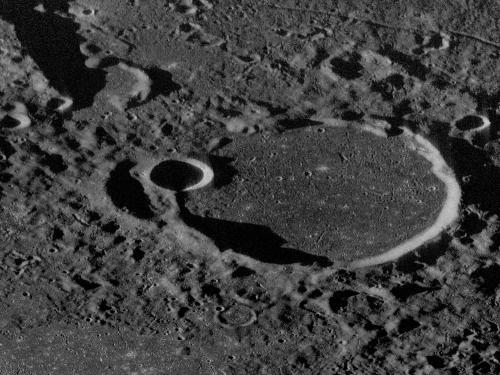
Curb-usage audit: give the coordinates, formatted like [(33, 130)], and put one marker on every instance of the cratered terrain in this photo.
[(249, 187)]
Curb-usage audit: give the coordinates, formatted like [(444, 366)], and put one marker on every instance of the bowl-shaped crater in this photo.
[(181, 175)]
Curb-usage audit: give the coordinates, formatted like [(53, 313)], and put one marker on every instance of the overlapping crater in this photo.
[(325, 194)]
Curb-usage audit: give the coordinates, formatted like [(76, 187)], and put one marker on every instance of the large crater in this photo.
[(340, 193)]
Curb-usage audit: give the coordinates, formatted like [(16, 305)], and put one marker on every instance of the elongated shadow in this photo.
[(128, 193), (54, 44), (256, 241)]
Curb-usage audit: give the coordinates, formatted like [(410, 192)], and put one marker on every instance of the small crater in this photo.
[(181, 313), (436, 41), (119, 239), (176, 175), (55, 162), (89, 49), (316, 293), (436, 361), (407, 325), (138, 254), (167, 129), (237, 316), (186, 28), (209, 290), (110, 227), (349, 68), (470, 122), (57, 234)]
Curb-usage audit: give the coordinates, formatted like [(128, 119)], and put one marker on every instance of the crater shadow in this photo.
[(480, 178), (127, 193), (54, 44), (426, 255), (348, 68), (163, 83), (224, 172), (256, 241), (414, 67)]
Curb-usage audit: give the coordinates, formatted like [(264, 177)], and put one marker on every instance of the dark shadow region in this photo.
[(487, 278), (469, 123), (414, 67), (256, 241), (224, 172), (162, 82), (54, 44), (175, 175), (348, 68), (127, 193), (296, 123)]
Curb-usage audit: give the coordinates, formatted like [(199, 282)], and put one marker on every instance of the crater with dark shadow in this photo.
[(316, 195), (470, 122), (176, 175)]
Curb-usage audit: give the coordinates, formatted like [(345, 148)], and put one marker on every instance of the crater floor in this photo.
[(342, 193)]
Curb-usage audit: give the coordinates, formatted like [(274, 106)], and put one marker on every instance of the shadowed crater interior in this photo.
[(176, 175), (469, 123), (348, 68), (127, 193)]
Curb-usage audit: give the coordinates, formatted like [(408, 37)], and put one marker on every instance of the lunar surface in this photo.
[(249, 187)]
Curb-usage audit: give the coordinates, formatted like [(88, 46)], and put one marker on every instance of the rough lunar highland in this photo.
[(261, 187)]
